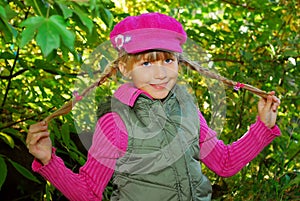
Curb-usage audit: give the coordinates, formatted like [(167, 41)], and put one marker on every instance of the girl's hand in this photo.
[(39, 143), (267, 109)]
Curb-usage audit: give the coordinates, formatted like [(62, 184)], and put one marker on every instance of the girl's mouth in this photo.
[(159, 86)]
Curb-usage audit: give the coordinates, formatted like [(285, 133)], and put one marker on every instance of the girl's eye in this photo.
[(146, 63), (168, 61)]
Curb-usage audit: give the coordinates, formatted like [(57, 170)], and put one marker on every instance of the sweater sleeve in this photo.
[(227, 160), (109, 143)]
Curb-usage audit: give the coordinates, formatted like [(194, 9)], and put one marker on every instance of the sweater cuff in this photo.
[(37, 165), (275, 130)]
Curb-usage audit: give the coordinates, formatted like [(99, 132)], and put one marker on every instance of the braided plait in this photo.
[(206, 72), (109, 71)]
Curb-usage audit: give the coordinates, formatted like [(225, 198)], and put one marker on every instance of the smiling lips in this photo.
[(159, 86)]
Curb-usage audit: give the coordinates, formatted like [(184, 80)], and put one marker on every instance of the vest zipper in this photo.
[(178, 185)]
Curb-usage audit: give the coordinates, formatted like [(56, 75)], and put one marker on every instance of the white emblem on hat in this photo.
[(120, 40)]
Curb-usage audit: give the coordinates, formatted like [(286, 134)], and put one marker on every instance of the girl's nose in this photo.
[(159, 72)]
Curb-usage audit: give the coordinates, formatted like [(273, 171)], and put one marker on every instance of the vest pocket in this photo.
[(136, 190)]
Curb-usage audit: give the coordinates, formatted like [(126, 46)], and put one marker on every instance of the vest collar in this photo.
[(128, 94)]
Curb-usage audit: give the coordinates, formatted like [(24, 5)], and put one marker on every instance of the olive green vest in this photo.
[(162, 158)]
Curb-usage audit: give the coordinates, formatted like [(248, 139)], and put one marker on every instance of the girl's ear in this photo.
[(124, 71)]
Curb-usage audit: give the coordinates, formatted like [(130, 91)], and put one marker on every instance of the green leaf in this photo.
[(27, 35), (7, 55), (3, 172), (84, 18), (35, 22), (40, 85), (57, 132), (40, 7), (7, 139), (48, 37), (107, 17), (5, 27), (291, 53), (22, 170), (3, 13), (31, 24), (65, 10), (10, 13), (67, 36), (65, 133), (11, 131), (12, 30), (7, 34), (48, 191), (295, 180)]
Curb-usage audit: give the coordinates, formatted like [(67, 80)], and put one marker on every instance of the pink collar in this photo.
[(128, 93)]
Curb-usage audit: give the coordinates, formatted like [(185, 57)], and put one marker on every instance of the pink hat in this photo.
[(148, 31)]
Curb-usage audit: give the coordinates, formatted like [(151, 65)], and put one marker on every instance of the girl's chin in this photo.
[(160, 95)]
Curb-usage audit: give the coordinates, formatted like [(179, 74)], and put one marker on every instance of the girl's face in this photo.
[(154, 72)]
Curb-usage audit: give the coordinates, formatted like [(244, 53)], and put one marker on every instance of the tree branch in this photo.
[(11, 71), (10, 78), (14, 75), (241, 5)]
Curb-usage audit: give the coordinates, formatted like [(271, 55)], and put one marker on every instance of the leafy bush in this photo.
[(45, 43)]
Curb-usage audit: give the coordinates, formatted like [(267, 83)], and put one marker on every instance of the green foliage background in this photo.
[(44, 44)]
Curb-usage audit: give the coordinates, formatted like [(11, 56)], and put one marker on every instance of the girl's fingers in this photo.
[(272, 93), (261, 104), (34, 139), (272, 102), (268, 103), (35, 128), (276, 103)]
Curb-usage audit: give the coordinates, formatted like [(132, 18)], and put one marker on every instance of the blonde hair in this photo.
[(130, 59)]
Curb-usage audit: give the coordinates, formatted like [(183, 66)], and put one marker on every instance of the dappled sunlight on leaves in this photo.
[(44, 45)]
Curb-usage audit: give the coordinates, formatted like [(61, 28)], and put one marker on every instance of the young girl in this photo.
[(152, 136)]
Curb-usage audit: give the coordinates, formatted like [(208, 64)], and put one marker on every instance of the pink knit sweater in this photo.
[(110, 142)]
